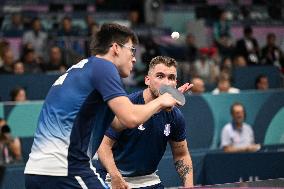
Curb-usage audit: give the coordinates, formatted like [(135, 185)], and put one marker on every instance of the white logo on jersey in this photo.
[(141, 128), (60, 80), (167, 129), (78, 65)]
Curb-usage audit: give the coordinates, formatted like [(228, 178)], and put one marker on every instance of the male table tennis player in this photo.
[(79, 107), (131, 156)]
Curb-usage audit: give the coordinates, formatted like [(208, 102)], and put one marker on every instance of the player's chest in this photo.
[(156, 126)]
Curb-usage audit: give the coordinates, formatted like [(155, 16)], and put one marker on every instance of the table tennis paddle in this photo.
[(174, 92)]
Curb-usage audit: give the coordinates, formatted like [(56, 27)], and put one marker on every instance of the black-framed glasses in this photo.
[(132, 49)]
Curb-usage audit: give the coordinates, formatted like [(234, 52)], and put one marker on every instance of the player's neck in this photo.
[(147, 95), (106, 57)]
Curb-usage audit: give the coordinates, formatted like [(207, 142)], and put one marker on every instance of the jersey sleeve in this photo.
[(178, 133), (225, 137), (111, 133), (107, 81)]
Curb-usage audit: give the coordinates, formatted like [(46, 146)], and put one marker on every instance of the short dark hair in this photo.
[(108, 34), (5, 129)]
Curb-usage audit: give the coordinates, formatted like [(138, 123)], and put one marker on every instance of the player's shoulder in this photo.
[(176, 111), (228, 127), (100, 62), (175, 115), (136, 97)]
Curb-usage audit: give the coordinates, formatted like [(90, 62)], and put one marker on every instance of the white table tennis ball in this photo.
[(175, 35)]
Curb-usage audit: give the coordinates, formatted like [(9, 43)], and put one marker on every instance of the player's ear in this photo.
[(147, 80), (114, 48)]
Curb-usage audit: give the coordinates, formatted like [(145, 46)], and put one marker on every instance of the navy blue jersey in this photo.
[(138, 151), (74, 118)]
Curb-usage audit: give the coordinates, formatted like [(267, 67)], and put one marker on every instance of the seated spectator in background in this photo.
[(68, 37), (205, 66), (55, 63), (4, 45), (15, 28), (8, 60), (37, 38), (191, 48), (198, 85), (248, 47), (191, 54), (32, 64), (224, 85), (239, 61), (2, 122), (66, 28), (238, 136), (10, 147), (18, 94), (221, 28), (271, 54), (134, 18), (262, 83), (226, 66), (90, 23), (18, 68)]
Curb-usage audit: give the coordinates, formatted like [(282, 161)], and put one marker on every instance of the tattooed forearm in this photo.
[(182, 169)]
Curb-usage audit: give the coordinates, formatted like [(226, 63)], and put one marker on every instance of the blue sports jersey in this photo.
[(138, 151), (74, 118)]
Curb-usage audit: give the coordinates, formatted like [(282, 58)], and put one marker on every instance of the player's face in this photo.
[(127, 59), (238, 114), (161, 75)]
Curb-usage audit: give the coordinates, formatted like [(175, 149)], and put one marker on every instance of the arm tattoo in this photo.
[(182, 169)]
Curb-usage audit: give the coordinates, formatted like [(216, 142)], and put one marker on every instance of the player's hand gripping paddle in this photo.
[(174, 92)]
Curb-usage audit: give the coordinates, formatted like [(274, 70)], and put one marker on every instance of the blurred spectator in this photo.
[(37, 38), (134, 18), (2, 122), (68, 38), (18, 94), (271, 53), (239, 61), (248, 47), (224, 85), (18, 68), (261, 82), (151, 50), (238, 136), (56, 63), (15, 28), (89, 20), (226, 66), (4, 45), (205, 66), (93, 28), (153, 12), (8, 60), (191, 48), (92, 25), (198, 85), (10, 147), (66, 28), (32, 64), (222, 32), (191, 55)]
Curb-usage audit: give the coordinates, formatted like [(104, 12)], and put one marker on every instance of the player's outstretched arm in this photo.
[(132, 115), (182, 161), (106, 157)]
